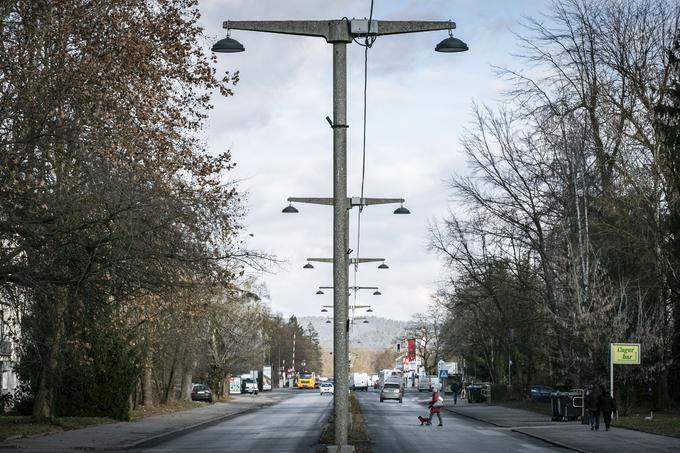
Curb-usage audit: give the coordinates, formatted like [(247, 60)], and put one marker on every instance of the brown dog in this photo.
[(424, 420)]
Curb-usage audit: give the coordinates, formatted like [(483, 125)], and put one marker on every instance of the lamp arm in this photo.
[(395, 27), (317, 200)]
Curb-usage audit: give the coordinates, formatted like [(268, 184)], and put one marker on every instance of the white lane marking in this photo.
[(525, 447), (488, 432)]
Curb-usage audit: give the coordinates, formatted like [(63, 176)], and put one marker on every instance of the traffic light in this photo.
[(398, 347)]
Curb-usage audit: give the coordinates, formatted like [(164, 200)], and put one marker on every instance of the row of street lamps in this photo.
[(351, 202), (340, 33)]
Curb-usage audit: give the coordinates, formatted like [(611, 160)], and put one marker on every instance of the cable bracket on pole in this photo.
[(328, 118)]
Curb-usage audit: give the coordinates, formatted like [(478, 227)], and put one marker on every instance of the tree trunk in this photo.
[(661, 395), (43, 407), (224, 384), (169, 391), (147, 385), (188, 365)]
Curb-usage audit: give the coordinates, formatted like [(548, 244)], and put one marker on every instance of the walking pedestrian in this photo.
[(435, 406), (455, 389), (607, 406), (592, 404)]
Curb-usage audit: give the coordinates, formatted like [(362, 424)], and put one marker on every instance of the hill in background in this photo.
[(379, 334)]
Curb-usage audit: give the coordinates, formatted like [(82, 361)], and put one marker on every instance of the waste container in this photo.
[(567, 405), (475, 394)]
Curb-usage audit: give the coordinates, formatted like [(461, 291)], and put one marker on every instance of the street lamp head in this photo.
[(290, 209), (383, 266), (365, 321), (328, 321), (451, 45), (319, 292), (323, 310), (227, 45), (377, 293), (370, 310), (402, 210), (308, 266)]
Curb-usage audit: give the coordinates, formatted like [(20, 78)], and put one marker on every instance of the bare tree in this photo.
[(568, 185)]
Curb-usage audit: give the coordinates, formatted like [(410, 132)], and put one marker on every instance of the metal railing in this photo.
[(486, 393), (579, 399)]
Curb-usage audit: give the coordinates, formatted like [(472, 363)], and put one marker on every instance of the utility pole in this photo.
[(293, 365), (339, 33)]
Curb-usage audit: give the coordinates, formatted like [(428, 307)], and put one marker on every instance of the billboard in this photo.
[(267, 378), (234, 384), (625, 353), (411, 349)]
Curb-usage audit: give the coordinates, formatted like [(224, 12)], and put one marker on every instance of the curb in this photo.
[(535, 436), (160, 438), (553, 442), (476, 418)]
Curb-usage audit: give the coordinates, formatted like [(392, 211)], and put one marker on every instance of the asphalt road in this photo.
[(394, 427), (294, 425)]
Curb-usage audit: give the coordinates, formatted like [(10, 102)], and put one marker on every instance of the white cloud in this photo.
[(418, 103)]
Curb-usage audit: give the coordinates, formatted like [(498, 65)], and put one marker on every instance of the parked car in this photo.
[(326, 388), (541, 392), (201, 392), (392, 390), (249, 386)]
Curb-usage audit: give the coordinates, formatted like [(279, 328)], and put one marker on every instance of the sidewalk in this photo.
[(571, 435), (144, 432)]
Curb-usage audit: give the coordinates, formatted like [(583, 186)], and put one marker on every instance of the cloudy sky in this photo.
[(419, 103)]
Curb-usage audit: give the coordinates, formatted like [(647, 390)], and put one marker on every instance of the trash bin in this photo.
[(566, 405), (474, 393)]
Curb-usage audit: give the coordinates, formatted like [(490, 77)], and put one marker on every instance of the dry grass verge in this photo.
[(14, 426), (167, 408), (358, 434), (666, 423)]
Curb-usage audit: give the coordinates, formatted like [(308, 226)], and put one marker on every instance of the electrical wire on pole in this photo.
[(368, 43)]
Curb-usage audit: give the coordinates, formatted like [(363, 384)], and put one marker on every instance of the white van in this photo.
[(428, 383), (358, 381)]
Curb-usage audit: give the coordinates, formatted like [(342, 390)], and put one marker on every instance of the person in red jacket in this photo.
[(434, 408)]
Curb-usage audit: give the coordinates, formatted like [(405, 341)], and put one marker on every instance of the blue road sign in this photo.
[(443, 374)]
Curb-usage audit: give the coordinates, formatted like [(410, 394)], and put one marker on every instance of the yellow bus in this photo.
[(306, 380)]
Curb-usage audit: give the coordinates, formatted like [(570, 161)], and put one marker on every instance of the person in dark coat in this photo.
[(455, 389), (433, 409), (607, 406), (592, 405)]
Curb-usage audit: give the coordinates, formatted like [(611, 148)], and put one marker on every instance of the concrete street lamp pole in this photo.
[(339, 33)]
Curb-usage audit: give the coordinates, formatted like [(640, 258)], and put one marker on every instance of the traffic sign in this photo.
[(443, 374)]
